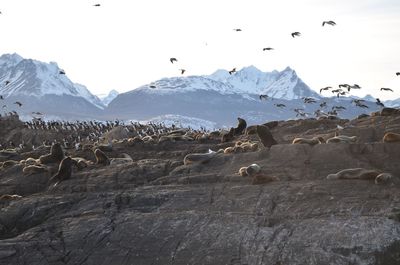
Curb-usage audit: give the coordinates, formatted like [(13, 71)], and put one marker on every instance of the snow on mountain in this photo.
[(27, 77), (247, 81), (182, 122), (107, 98)]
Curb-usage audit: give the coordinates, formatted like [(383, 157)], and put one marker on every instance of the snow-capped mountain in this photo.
[(107, 98), (182, 122), (44, 87)]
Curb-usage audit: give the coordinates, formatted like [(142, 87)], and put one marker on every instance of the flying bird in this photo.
[(280, 105), (182, 71), (61, 72), (152, 86), (232, 71), (263, 96), (18, 103), (268, 49), (294, 34), (324, 88), (378, 102), (323, 104), (96, 5), (7, 82), (309, 100), (237, 29), (330, 22), (386, 89), (172, 60), (1, 97), (398, 73)]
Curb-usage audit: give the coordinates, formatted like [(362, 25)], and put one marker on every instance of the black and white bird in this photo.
[(398, 73), (324, 88), (386, 89), (378, 102), (172, 60), (96, 5), (330, 22), (18, 103), (182, 71), (296, 34), (263, 97), (237, 29), (268, 49), (232, 71)]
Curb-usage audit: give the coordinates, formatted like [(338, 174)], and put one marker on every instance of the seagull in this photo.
[(61, 72), (96, 5), (152, 86), (386, 89), (263, 96), (18, 103), (309, 100), (378, 102), (232, 71), (172, 60), (294, 34), (324, 88), (268, 49), (7, 82), (280, 105), (182, 71), (1, 97), (237, 29), (398, 73), (323, 104), (330, 22)]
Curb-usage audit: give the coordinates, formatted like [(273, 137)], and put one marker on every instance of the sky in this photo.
[(124, 44)]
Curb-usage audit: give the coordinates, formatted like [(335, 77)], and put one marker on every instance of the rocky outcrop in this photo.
[(155, 210)]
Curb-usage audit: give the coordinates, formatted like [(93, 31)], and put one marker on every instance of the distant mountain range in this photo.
[(216, 99)]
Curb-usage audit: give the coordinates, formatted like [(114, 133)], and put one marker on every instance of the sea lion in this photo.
[(8, 197), (32, 169), (242, 172), (64, 171), (101, 158), (199, 157), (250, 130), (355, 173), (312, 141), (391, 137), (56, 155), (253, 169), (383, 178), (240, 127), (262, 179), (229, 150), (265, 136), (227, 137), (342, 139)]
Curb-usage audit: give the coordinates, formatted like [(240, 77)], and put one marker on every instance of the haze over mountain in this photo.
[(218, 98)]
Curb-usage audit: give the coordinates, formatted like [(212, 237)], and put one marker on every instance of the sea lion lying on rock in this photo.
[(342, 139), (361, 173), (312, 141), (391, 137), (249, 170), (199, 157), (8, 197)]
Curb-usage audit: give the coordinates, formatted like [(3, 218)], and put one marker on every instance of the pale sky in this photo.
[(124, 44)]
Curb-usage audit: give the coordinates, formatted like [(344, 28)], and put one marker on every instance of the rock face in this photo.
[(155, 210)]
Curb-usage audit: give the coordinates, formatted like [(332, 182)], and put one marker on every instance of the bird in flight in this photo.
[(232, 71), (61, 72), (182, 71), (330, 22), (96, 5), (323, 104), (268, 49), (1, 97), (18, 103), (263, 97), (386, 89), (237, 29), (294, 34), (378, 102), (152, 86), (7, 82), (398, 73), (172, 60), (280, 105), (324, 88)]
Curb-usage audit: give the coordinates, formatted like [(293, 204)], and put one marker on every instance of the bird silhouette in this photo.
[(378, 102), (237, 29), (309, 100), (18, 103), (294, 34), (182, 71), (232, 71), (172, 60), (323, 104), (386, 89), (330, 22), (280, 105), (268, 49), (324, 88), (152, 86), (398, 73), (1, 97), (96, 5), (7, 82), (61, 72), (263, 97)]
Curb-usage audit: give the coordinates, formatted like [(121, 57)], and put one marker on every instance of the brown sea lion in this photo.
[(355, 173), (227, 137), (64, 171), (101, 158), (312, 141), (199, 157), (391, 137), (242, 172), (342, 139), (265, 136), (8, 197), (55, 156), (240, 127), (250, 130), (384, 178)]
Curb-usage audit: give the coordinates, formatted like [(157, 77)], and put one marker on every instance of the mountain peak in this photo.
[(10, 59)]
